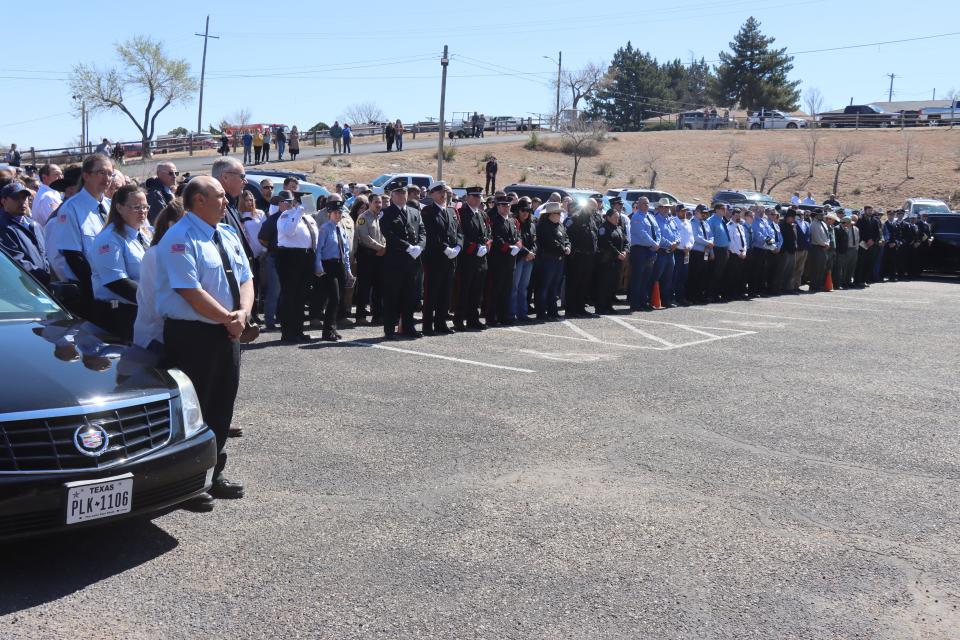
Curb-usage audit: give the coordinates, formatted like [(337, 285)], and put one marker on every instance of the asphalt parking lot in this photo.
[(780, 468)]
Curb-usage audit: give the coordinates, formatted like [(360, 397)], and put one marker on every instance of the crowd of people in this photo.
[(185, 268)]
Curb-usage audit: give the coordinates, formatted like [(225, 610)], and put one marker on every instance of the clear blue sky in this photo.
[(299, 63)]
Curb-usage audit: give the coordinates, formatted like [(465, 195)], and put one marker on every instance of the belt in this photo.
[(642, 246), (296, 249)]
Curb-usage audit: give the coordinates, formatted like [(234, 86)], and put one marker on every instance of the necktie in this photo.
[(703, 229), (740, 233), (103, 213), (228, 269), (142, 241), (339, 242), (726, 230), (653, 229)]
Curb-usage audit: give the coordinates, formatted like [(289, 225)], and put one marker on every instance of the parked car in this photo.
[(742, 198), (543, 192), (774, 119), (388, 181), (944, 255), (631, 195), (90, 431), (925, 205), (859, 115), (277, 178), (934, 116)]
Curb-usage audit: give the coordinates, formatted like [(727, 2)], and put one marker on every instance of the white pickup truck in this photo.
[(934, 116), (774, 119), (917, 206)]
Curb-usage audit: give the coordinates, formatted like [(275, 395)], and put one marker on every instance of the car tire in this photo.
[(755, 125), (791, 125)]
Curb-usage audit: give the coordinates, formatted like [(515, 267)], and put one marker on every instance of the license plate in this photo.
[(102, 498)]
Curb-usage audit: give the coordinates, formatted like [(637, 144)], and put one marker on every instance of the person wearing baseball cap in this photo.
[(21, 237)]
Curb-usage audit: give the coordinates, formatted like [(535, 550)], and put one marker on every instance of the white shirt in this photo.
[(149, 324), (251, 228), (685, 230), (45, 203), (736, 238), (795, 200), (808, 200), (296, 230)]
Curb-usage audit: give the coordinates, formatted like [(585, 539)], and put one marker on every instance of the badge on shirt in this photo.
[(62, 217), (362, 221), (603, 230), (178, 248), (104, 249), (568, 222)]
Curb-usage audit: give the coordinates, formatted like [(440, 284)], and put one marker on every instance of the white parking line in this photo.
[(604, 342), (868, 298), (451, 359), (641, 332), (581, 332), (758, 315), (820, 306)]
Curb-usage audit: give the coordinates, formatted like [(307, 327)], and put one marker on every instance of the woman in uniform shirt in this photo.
[(148, 327), (332, 267), (118, 252)]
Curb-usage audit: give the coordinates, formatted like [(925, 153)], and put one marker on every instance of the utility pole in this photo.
[(444, 61), (890, 95), (934, 94), (559, 68), (203, 70)]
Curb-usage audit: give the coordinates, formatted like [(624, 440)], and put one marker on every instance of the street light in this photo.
[(559, 62)]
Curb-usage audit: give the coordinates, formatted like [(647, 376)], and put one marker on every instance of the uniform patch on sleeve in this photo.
[(178, 248), (62, 217), (103, 249), (362, 221)]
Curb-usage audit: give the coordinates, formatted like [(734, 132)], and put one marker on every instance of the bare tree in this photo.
[(650, 161), (813, 100), (732, 150), (145, 69), (363, 112), (811, 140), (775, 169), (846, 151), (580, 140), (241, 117), (581, 83)]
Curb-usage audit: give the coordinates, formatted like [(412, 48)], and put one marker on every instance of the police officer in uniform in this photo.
[(403, 274), (473, 261), (371, 249), (582, 231), (205, 295), (503, 260), (444, 243), (612, 248)]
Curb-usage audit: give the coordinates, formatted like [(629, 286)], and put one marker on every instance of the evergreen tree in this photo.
[(754, 75), (638, 89)]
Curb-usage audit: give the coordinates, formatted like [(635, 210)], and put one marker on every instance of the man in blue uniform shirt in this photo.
[(669, 241), (721, 250), (20, 237), (700, 256), (644, 243), (205, 295)]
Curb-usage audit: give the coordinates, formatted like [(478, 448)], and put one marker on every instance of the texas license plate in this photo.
[(102, 498)]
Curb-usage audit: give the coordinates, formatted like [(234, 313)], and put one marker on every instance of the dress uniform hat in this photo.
[(400, 188), (616, 200), (438, 186), (475, 191), (504, 200)]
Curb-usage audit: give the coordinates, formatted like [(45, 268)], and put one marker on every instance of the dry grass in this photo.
[(691, 164)]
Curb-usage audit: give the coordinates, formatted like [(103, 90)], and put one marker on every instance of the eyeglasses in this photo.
[(139, 208), (173, 173), (267, 186), (242, 176), (101, 172)]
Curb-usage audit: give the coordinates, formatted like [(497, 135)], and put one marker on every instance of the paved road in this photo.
[(196, 164), (782, 468)]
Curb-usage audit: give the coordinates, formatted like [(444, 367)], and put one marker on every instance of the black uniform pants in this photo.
[(579, 277), (735, 277), (369, 288), (721, 258), (437, 289), (333, 282), (757, 264), (491, 184), (817, 267), (697, 276), (865, 262), (891, 256), (501, 278), (402, 280), (295, 269), (608, 279), (473, 278), (211, 360)]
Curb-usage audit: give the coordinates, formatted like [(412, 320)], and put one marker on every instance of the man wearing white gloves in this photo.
[(444, 243), (503, 260), (406, 238), (473, 261)]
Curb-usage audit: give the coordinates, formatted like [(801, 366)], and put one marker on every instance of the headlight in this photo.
[(189, 404)]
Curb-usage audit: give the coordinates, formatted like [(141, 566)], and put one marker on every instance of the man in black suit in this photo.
[(505, 235), (444, 242), (473, 261), (406, 239)]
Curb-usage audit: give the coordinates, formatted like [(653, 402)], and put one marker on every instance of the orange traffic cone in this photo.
[(828, 285), (655, 296)]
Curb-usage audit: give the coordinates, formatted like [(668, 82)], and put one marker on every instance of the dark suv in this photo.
[(944, 253), (742, 198), (90, 431)]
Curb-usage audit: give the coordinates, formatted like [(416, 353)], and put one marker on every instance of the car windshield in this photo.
[(379, 180), (21, 298), (421, 181), (761, 198), (930, 207)]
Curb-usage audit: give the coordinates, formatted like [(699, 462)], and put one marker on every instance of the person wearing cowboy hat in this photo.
[(669, 241), (554, 247), (820, 240)]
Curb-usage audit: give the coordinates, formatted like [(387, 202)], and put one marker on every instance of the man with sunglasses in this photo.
[(160, 189), (230, 174)]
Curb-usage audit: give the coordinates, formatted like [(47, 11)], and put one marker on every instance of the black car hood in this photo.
[(67, 363)]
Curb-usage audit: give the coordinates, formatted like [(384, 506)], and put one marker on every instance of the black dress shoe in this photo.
[(445, 330), (393, 337), (458, 326), (429, 332), (202, 503), (413, 334), (224, 489), (235, 432), (329, 336), (475, 326)]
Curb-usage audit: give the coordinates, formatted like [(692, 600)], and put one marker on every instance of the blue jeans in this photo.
[(550, 272), (642, 260), (399, 141), (679, 278), (518, 296), (663, 273), (270, 281), (281, 147)]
